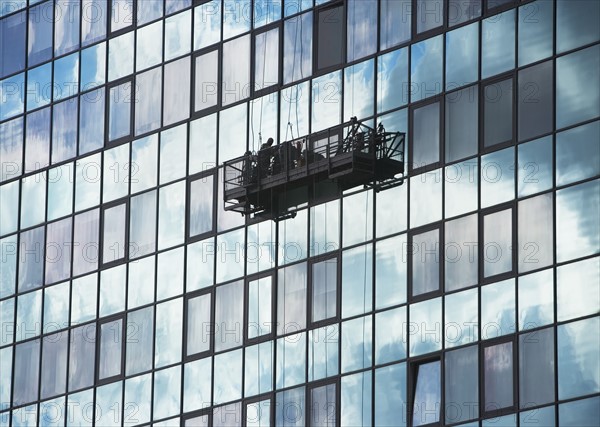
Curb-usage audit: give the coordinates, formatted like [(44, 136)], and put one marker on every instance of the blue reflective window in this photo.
[(40, 33), (12, 45), (39, 86)]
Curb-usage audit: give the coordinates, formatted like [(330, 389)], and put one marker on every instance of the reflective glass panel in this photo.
[(498, 374), (395, 22), (462, 56), (428, 394), (427, 336), (147, 100), (577, 293), (426, 68), (357, 281), (535, 165), (535, 31), (426, 198), (497, 177), (297, 47), (462, 125), (498, 112), (498, 44), (498, 309), (536, 368), (577, 154), (461, 384), (536, 299), (291, 299)]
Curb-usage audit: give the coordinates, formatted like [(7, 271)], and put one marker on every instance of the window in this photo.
[(536, 100), (498, 44), (498, 377), (201, 215), (229, 315), (357, 280), (427, 393), (330, 37), (426, 125), (199, 327), (266, 59), (323, 405), (324, 279), (236, 71), (430, 15), (395, 22), (176, 100), (291, 299), (536, 368), (461, 369), (362, 28), (426, 73), (54, 365), (119, 111), (82, 355), (426, 270), (114, 245), (497, 243), (148, 98), (461, 257), (498, 113), (297, 47), (462, 124), (260, 307), (139, 357), (206, 80), (110, 349)]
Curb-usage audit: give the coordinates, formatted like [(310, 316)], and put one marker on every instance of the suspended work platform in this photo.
[(267, 182)]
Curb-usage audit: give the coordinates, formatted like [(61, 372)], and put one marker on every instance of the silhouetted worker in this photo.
[(264, 157)]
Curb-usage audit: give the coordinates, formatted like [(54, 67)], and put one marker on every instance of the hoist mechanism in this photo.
[(276, 179)]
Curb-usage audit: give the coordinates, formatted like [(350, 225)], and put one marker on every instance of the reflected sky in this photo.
[(498, 309), (197, 384), (168, 333), (498, 44), (169, 275), (176, 101), (536, 299), (178, 35), (207, 18), (461, 318), (426, 68), (227, 377), (359, 86), (356, 401), (577, 293), (392, 80), (326, 101), (167, 402), (426, 323), (390, 345), (462, 54), (171, 217)]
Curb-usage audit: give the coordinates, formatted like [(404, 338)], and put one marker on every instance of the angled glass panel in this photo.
[(229, 315), (54, 365), (37, 136), (426, 262), (577, 295), (119, 111), (88, 177), (395, 22)]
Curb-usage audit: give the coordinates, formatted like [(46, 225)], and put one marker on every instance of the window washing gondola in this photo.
[(259, 183)]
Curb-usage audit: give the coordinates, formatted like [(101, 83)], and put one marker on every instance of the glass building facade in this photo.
[(467, 296)]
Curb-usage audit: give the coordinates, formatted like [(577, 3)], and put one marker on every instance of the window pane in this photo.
[(171, 217), (13, 89), (461, 256), (84, 299), (259, 307), (535, 31), (498, 44), (258, 414), (82, 355), (535, 232), (358, 90), (498, 376), (427, 337), (26, 372), (91, 121), (460, 11), (39, 87), (462, 56), (259, 369), (325, 227), (430, 14), (119, 111), (428, 394), (390, 343), (201, 205), (330, 28), (178, 34), (462, 125), (206, 80), (361, 31), (113, 238), (209, 32), (230, 247), (390, 271), (498, 113), (577, 232), (461, 384), (498, 309), (426, 135), (232, 133), (229, 316), (426, 68), (357, 344), (197, 385), (575, 24), (536, 299), (426, 198), (578, 351), (148, 100), (497, 177), (37, 135), (356, 402), (461, 318), (291, 299), (58, 250), (293, 238), (536, 368), (93, 22), (577, 293), (326, 101), (297, 48), (323, 407), (323, 354), (120, 56), (111, 335), (227, 379), (577, 155), (426, 262), (324, 291), (112, 290), (31, 257), (176, 101), (236, 17), (236, 70), (357, 218), (64, 130), (535, 165), (535, 100), (167, 402), (122, 14), (86, 240), (140, 324), (168, 333), (579, 413), (357, 281), (266, 61), (395, 20), (290, 408), (392, 79), (39, 46)]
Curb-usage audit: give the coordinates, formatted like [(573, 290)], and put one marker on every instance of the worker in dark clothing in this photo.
[(264, 157)]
